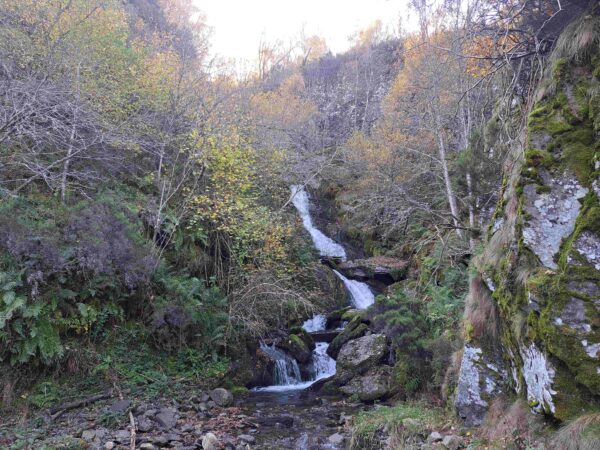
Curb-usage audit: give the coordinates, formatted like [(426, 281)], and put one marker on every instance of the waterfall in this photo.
[(360, 293), (323, 364), (317, 323), (287, 372), (325, 245)]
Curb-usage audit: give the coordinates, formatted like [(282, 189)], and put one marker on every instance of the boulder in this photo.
[(373, 385), (334, 318), (481, 378), (167, 418), (353, 330), (306, 337), (452, 442), (222, 397), (363, 353), (296, 347)]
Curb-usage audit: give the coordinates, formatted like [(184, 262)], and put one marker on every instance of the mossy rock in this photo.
[(353, 330), (304, 335), (296, 347)]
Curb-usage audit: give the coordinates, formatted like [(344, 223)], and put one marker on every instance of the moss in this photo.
[(560, 69)]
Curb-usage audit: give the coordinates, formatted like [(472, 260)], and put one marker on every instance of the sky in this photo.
[(239, 25)]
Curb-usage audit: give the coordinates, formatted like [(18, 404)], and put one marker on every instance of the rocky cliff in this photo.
[(532, 323)]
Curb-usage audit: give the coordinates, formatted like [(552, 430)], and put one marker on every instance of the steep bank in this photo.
[(532, 322)]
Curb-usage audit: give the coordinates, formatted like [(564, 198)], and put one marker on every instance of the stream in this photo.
[(292, 415)]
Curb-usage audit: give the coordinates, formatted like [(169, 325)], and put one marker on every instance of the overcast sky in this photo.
[(239, 24)]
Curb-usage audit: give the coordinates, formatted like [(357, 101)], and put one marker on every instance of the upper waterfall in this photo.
[(325, 245)]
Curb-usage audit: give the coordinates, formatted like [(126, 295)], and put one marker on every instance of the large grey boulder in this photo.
[(358, 356), (373, 385)]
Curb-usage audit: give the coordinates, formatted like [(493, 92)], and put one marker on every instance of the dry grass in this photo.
[(511, 425), (581, 434), (481, 312), (579, 40), (451, 375)]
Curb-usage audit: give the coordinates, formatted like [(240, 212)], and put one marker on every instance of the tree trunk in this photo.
[(448, 184)]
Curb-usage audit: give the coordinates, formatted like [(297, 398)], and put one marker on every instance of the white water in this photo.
[(360, 293), (325, 245), (317, 323), (287, 372), (323, 366)]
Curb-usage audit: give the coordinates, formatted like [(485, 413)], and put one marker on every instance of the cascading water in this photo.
[(325, 245), (360, 293), (287, 372), (323, 364), (317, 323)]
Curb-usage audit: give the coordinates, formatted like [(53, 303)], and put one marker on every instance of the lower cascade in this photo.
[(287, 374)]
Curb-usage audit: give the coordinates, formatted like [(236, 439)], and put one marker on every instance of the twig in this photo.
[(58, 411)]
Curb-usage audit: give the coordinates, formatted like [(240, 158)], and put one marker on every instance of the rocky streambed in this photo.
[(298, 419)]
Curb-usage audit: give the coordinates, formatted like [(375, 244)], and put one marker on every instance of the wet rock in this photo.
[(334, 318), (210, 442), (325, 335), (120, 406), (552, 215), (382, 269), (296, 347), (285, 420), (373, 385), (167, 418), (221, 397), (452, 442)]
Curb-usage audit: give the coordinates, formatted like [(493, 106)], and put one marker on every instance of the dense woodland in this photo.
[(146, 226)]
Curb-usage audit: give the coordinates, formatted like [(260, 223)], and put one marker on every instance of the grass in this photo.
[(403, 422)]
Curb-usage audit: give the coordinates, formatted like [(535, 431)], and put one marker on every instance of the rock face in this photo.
[(478, 381), (542, 256)]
